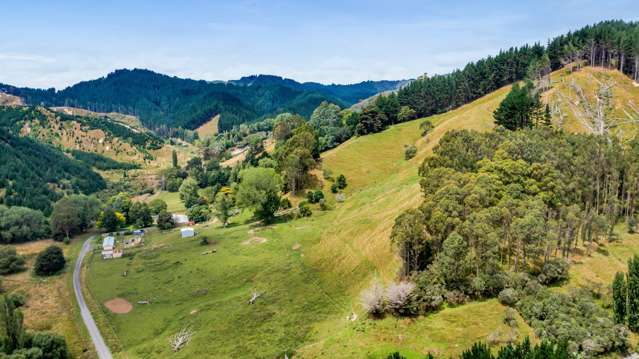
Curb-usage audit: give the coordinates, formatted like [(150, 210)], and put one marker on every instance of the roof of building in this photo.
[(186, 229), (108, 241)]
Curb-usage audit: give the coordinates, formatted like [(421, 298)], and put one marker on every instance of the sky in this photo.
[(59, 43)]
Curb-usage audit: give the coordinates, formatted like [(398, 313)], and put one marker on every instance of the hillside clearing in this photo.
[(209, 128)]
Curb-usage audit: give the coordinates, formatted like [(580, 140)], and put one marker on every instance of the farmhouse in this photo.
[(108, 244), (187, 232), (108, 248)]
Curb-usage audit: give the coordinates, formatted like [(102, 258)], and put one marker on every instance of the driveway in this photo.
[(100, 346)]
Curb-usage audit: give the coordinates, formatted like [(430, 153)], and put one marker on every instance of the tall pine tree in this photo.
[(619, 297), (633, 293)]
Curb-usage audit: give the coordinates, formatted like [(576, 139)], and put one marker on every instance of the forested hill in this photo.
[(35, 175), (165, 101), (349, 94)]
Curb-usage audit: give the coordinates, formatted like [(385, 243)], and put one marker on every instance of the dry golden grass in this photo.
[(625, 97), (50, 301), (209, 128)]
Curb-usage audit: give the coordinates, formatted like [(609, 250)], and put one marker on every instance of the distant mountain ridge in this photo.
[(349, 93), (162, 101)]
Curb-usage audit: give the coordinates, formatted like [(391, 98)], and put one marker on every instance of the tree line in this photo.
[(610, 44)]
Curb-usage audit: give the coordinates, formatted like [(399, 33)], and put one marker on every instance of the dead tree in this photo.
[(181, 338), (254, 297)]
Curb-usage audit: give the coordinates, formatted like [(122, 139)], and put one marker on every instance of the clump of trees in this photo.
[(591, 330), (296, 152), (49, 262), (21, 224), (504, 211), (165, 220), (17, 343), (522, 108), (74, 214), (259, 189), (625, 295), (610, 44), (10, 260)]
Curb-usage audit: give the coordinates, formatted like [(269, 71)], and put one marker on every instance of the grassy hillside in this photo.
[(309, 271)]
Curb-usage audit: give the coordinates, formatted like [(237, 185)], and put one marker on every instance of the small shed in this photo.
[(187, 232)]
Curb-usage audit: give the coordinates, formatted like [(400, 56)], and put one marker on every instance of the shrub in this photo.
[(318, 196), (200, 213), (52, 345), (455, 297), (508, 297), (304, 210), (285, 203), (532, 287), (204, 241), (10, 261), (632, 224), (334, 188), (575, 319), (554, 271), (373, 299), (165, 220), (510, 318), (429, 297), (409, 152), (327, 174), (323, 205), (426, 127), (399, 298), (341, 182), (50, 261), (157, 205)]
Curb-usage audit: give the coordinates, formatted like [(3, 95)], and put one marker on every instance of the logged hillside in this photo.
[(573, 99), (94, 134), (160, 100)]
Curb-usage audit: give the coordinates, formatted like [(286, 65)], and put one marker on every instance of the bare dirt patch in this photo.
[(118, 305)]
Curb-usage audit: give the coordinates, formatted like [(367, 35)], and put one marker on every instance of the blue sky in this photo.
[(58, 43)]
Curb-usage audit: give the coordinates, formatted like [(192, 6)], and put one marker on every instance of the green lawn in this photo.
[(172, 199)]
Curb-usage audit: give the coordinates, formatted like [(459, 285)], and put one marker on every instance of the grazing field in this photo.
[(50, 302)]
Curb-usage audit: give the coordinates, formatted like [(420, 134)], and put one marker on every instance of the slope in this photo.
[(571, 90), (35, 175)]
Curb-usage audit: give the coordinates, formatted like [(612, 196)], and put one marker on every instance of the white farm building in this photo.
[(187, 232)]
